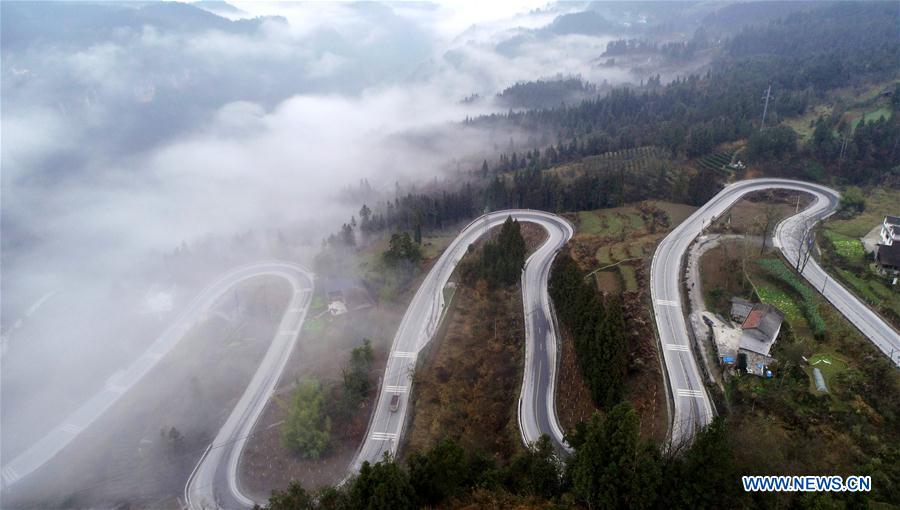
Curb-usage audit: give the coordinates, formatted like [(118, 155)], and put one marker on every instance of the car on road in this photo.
[(395, 402)]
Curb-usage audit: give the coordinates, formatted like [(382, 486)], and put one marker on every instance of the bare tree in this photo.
[(806, 242)]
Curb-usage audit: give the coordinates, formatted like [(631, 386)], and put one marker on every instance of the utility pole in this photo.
[(766, 107), (843, 147)]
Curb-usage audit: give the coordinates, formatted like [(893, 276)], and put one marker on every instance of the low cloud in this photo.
[(119, 150)]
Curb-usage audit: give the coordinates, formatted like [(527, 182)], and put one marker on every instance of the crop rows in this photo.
[(716, 161), (636, 160), (810, 306)]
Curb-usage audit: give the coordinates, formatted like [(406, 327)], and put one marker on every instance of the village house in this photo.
[(760, 325), (890, 230), (887, 251), (346, 295)]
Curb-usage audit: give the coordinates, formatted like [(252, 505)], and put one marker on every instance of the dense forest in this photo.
[(546, 93), (501, 260), (673, 50), (807, 53)]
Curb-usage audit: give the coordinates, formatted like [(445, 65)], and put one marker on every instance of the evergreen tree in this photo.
[(384, 486), (307, 429), (292, 498), (440, 472), (535, 472), (613, 355), (612, 467)]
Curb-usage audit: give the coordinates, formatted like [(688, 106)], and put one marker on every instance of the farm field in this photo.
[(625, 238)]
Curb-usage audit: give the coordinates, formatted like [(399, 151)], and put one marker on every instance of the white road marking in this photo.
[(403, 354), (677, 347), (396, 389), (117, 388), (666, 302), (9, 475), (383, 436), (689, 393), (71, 428)]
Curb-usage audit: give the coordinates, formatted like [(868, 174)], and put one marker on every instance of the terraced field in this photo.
[(625, 238), (636, 164)]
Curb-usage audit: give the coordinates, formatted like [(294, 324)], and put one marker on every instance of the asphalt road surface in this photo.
[(214, 483), (691, 407), (537, 412)]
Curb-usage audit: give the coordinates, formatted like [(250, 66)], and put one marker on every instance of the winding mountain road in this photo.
[(215, 483), (117, 385), (692, 408), (537, 412)]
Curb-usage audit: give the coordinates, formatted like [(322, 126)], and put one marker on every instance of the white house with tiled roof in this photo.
[(887, 252), (760, 325), (890, 230)]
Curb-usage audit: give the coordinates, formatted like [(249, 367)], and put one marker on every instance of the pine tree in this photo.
[(613, 356)]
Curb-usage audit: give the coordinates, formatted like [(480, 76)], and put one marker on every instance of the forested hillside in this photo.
[(803, 57), (678, 141)]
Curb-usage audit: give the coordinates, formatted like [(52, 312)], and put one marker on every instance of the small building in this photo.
[(740, 309), (890, 230), (887, 251), (759, 331), (345, 295), (746, 341), (887, 258)]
